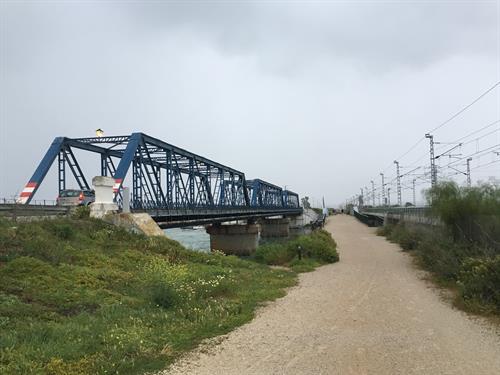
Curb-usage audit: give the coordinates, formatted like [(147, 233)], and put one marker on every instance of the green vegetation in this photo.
[(464, 252), (78, 296), (315, 249)]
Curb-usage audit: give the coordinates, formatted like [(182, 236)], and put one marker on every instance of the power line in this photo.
[(486, 164), (481, 137), (439, 127), (460, 139), (477, 131), (484, 151), (466, 107)]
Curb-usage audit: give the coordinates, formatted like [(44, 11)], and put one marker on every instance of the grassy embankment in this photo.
[(78, 296), (463, 254)]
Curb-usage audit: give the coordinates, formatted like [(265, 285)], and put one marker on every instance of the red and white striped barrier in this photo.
[(27, 192)]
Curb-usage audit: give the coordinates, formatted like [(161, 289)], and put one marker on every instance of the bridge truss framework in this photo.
[(167, 181)]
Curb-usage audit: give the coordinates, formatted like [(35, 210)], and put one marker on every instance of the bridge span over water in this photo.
[(175, 186)]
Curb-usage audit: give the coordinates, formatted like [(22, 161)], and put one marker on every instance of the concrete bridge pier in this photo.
[(234, 239), (270, 228)]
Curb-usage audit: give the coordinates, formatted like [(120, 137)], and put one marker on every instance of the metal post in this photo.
[(61, 171), (398, 177), (389, 196), (433, 160), (373, 192), (383, 190), (468, 172), (361, 199), (104, 165), (414, 196)]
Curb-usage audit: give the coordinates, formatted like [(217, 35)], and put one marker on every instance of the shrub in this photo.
[(81, 212), (479, 281), (385, 230), (63, 231), (163, 294), (408, 239), (470, 214), (318, 246), (275, 254)]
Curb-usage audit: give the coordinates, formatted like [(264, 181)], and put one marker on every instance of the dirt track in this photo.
[(371, 313)]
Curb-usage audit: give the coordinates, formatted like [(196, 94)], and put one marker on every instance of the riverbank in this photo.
[(370, 313), (83, 297)]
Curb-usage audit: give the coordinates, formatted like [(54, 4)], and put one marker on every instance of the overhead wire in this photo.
[(441, 125)]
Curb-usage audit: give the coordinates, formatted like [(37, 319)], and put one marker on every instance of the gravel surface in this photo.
[(371, 313)]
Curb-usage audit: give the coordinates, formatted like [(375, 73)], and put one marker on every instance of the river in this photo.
[(195, 239)]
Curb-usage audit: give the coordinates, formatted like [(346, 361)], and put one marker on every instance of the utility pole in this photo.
[(383, 190), (367, 195), (373, 193), (468, 172), (361, 198), (433, 160), (398, 176), (414, 196), (389, 196)]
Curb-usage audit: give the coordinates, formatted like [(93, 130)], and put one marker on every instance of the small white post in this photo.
[(126, 200)]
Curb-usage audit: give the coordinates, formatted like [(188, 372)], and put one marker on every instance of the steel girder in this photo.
[(164, 176)]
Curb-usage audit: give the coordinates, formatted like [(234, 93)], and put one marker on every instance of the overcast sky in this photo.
[(318, 96)]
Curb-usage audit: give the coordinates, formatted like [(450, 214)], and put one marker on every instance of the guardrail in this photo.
[(27, 212), (418, 214), (413, 210), (39, 202)]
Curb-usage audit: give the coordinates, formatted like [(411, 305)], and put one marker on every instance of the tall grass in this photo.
[(465, 251), (78, 296)]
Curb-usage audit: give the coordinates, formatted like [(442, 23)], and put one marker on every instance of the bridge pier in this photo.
[(236, 239), (270, 228)]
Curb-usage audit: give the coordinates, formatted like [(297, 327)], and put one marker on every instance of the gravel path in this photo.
[(371, 313)]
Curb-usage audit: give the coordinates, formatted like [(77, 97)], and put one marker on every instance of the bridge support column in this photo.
[(275, 228), (234, 239)]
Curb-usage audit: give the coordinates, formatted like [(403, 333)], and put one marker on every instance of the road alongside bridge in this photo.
[(371, 313)]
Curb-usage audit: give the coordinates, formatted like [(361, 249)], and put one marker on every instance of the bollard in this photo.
[(299, 252)]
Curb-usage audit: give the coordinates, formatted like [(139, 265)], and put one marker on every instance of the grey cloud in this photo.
[(371, 35)]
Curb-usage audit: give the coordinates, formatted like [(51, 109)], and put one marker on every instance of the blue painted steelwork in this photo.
[(168, 181)]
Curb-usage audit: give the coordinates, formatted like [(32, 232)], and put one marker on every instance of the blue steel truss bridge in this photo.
[(175, 186)]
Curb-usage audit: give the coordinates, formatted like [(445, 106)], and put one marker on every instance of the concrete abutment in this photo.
[(235, 239)]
